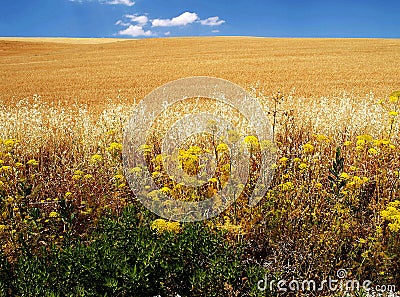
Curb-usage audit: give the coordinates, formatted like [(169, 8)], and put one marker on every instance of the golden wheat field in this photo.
[(69, 69), (68, 216)]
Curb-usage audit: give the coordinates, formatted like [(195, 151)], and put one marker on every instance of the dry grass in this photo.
[(91, 73)]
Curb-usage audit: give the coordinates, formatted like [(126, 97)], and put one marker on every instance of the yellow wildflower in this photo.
[(161, 226), (321, 138), (5, 168), (213, 180), (393, 113), (360, 142), (165, 190), (53, 214), (365, 137), (251, 141), (353, 168), (9, 142), (78, 172), (96, 158), (229, 227), (286, 187), (347, 143), (18, 165), (344, 176), (190, 159), (303, 166), (372, 151), (88, 176), (114, 147), (33, 162), (221, 148), (308, 148), (380, 142), (394, 97), (283, 160)]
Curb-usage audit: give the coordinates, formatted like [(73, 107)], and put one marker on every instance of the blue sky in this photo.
[(163, 18)]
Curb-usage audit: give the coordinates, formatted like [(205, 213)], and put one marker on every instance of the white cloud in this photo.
[(135, 31), (137, 25), (212, 21), (122, 23), (123, 2), (140, 19), (184, 19)]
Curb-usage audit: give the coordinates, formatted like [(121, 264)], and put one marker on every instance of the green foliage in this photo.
[(337, 183), (124, 257)]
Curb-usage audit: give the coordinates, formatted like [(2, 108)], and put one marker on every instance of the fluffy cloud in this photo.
[(212, 21), (135, 31), (122, 23), (184, 19), (136, 25), (139, 19)]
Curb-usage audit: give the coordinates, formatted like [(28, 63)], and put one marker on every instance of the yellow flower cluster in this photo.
[(9, 144), (283, 160), (308, 148), (286, 187), (222, 148), (33, 162), (251, 141), (321, 138), (303, 166), (53, 214), (96, 158), (394, 97), (357, 181), (161, 226), (344, 176), (392, 214), (190, 159), (114, 148), (229, 227), (78, 174)]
